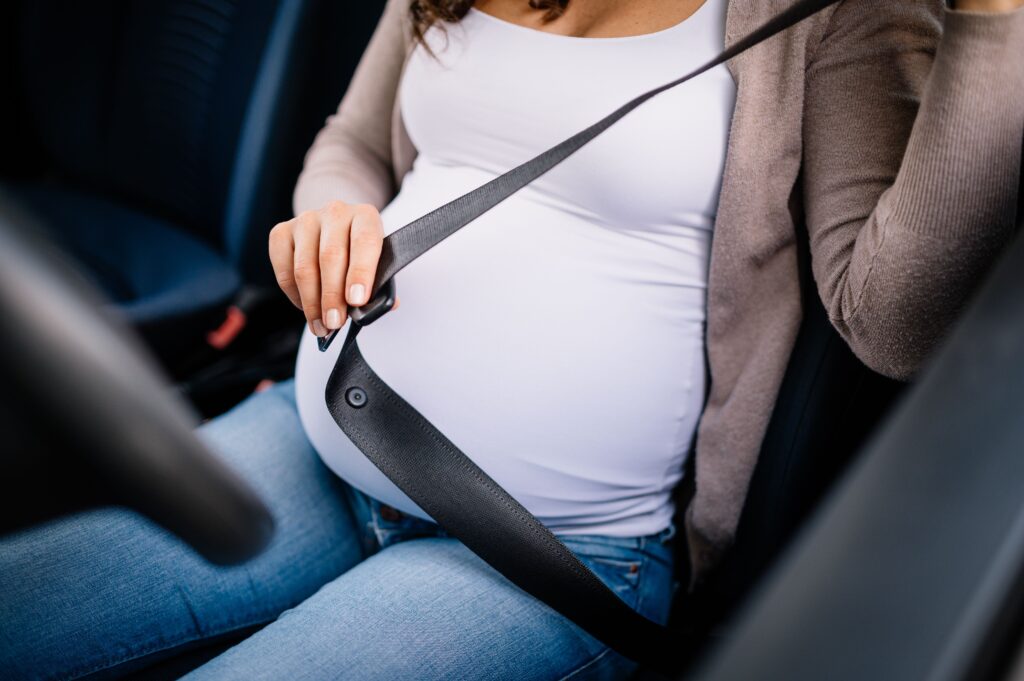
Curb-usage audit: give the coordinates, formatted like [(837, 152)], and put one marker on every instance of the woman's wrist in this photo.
[(988, 5)]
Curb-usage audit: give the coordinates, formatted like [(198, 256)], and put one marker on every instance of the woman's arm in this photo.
[(325, 259), (350, 159), (899, 240)]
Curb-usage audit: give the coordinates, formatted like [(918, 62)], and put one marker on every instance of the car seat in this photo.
[(160, 141)]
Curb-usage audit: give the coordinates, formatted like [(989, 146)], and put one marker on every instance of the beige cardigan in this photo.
[(895, 151)]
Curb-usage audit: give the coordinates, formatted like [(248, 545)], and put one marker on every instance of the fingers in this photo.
[(281, 249), (306, 268), (335, 222), (366, 241), (326, 261)]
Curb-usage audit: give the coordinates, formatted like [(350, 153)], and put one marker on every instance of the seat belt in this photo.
[(442, 480)]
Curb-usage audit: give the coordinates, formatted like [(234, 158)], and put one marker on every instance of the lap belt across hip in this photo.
[(443, 481)]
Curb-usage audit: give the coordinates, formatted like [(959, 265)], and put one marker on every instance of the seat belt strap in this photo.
[(475, 509), (441, 479)]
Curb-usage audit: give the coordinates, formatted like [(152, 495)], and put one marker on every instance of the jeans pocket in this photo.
[(621, 575)]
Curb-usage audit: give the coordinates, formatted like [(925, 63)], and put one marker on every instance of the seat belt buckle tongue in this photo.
[(377, 307)]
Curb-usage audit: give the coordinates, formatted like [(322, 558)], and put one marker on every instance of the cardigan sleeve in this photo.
[(913, 122), (350, 159)]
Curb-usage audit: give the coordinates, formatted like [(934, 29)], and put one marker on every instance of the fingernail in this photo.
[(318, 328), (357, 294), (333, 318)]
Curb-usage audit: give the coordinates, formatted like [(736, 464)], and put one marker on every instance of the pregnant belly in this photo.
[(565, 358)]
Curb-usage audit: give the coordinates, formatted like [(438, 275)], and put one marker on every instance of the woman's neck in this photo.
[(596, 18)]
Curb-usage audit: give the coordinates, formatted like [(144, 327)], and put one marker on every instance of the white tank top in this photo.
[(559, 339)]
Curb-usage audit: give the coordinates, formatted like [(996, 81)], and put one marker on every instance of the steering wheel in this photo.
[(86, 420)]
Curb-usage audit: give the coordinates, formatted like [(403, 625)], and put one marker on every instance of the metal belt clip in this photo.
[(377, 307)]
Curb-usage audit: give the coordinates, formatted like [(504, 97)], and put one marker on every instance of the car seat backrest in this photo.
[(145, 100), (198, 111)]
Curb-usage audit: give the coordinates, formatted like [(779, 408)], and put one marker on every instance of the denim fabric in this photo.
[(348, 588)]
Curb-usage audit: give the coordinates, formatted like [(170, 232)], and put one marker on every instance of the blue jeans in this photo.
[(347, 589)]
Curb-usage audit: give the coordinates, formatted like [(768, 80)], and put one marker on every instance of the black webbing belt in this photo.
[(443, 481)]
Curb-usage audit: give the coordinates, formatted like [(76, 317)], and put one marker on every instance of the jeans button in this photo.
[(390, 514)]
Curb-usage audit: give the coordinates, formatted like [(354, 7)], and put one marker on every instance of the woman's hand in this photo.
[(988, 5), (326, 260)]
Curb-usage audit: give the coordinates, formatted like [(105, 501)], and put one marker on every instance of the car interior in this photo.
[(141, 130), (149, 149)]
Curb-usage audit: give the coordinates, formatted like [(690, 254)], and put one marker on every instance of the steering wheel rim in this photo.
[(99, 414)]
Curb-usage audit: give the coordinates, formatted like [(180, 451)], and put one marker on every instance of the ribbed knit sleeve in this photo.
[(911, 161), (350, 159)]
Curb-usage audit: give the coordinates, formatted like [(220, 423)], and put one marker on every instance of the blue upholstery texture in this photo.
[(149, 268), (162, 138), (143, 101)]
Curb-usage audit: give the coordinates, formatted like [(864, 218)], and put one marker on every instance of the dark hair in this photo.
[(426, 13)]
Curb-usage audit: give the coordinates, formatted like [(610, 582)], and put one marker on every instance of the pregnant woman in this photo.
[(575, 340)]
